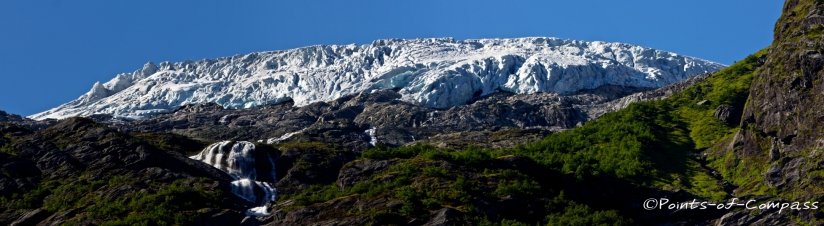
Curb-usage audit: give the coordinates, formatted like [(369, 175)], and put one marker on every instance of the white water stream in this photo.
[(238, 160), (371, 133)]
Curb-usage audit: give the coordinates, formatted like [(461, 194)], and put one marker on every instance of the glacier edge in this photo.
[(438, 72)]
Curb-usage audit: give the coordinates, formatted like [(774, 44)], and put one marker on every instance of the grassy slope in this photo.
[(163, 204), (650, 146)]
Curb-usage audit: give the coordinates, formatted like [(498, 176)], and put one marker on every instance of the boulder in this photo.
[(728, 114)]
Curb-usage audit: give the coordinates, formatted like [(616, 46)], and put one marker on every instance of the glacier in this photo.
[(436, 72)]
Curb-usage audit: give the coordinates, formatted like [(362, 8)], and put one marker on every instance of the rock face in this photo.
[(438, 73), (754, 217), (785, 101), (595, 109), (32, 217), (781, 126), (444, 217), (25, 122), (785, 97), (301, 167), (347, 120)]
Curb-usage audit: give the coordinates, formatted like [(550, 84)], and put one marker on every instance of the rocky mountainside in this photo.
[(749, 133), (79, 172), (318, 157), (438, 73), (786, 95), (26, 122), (593, 174), (314, 144), (348, 120), (782, 133)]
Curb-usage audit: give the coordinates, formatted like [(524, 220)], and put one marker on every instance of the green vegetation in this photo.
[(6, 145), (581, 215), (8, 149), (432, 179), (651, 145), (109, 196), (174, 203)]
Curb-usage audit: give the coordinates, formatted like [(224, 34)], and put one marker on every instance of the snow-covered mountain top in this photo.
[(440, 72)]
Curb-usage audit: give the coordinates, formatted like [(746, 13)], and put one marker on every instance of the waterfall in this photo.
[(371, 133), (238, 160)]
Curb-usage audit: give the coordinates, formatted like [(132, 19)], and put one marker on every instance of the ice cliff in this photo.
[(437, 73)]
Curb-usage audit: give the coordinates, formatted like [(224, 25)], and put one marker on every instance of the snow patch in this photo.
[(284, 137)]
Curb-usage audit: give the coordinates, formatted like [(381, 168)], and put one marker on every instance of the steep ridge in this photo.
[(786, 96), (437, 73), (778, 148)]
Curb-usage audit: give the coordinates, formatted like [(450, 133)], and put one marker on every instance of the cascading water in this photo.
[(238, 160), (371, 133)]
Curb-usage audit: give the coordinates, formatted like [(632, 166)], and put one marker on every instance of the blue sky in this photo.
[(51, 52)]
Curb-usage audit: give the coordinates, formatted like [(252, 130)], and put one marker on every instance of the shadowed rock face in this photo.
[(83, 144), (728, 114)]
